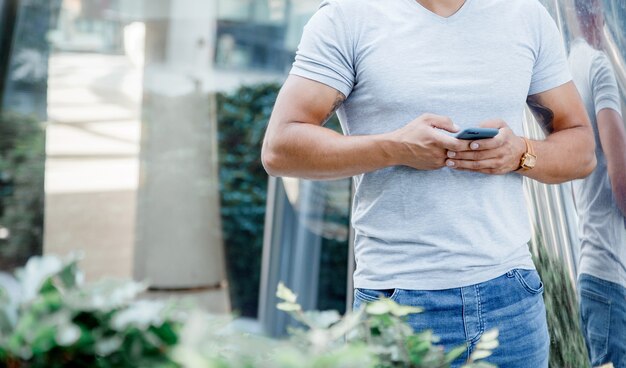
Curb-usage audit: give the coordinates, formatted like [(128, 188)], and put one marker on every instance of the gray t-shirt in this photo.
[(602, 227), (395, 60)]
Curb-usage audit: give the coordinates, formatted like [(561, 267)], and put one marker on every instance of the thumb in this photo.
[(443, 122)]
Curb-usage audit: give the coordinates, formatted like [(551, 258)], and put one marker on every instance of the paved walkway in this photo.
[(92, 167)]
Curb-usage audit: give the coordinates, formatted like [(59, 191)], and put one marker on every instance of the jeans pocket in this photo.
[(372, 295), (595, 315), (529, 280)]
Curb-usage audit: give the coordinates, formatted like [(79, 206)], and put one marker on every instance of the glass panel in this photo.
[(554, 210), (323, 211), (156, 110), (23, 89), (306, 246), (597, 55)]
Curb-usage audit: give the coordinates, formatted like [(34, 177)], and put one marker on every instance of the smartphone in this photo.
[(477, 133)]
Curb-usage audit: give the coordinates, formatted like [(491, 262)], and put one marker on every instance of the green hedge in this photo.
[(22, 161), (242, 118), (567, 346)]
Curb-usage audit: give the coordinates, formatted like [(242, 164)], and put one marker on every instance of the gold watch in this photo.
[(529, 158)]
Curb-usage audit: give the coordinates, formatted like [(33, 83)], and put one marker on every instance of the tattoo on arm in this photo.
[(339, 99), (542, 114)]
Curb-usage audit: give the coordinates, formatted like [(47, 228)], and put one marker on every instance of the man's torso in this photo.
[(414, 229)]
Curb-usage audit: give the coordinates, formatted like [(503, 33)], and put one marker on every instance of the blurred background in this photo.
[(130, 131), (138, 124)]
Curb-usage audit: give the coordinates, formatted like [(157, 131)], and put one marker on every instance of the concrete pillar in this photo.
[(179, 241)]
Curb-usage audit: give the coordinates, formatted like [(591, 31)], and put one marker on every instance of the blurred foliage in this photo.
[(52, 320), (376, 336), (567, 346), (22, 157), (49, 318), (242, 118)]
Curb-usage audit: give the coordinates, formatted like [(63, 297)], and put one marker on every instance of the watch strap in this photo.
[(529, 152)]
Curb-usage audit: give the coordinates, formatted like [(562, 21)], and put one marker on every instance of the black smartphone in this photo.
[(477, 133)]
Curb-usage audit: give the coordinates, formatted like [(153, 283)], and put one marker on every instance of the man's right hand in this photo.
[(423, 146)]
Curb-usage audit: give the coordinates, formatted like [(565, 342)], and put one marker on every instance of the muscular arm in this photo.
[(568, 151), (613, 139), (298, 145)]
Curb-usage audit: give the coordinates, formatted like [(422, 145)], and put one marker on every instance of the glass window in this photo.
[(154, 113), (23, 92)]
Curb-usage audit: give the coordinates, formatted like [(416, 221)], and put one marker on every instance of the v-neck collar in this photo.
[(438, 17)]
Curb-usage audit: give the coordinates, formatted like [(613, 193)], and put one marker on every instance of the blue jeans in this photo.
[(603, 320), (512, 303)]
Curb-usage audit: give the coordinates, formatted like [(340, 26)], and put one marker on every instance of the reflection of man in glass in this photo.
[(601, 197), (439, 222)]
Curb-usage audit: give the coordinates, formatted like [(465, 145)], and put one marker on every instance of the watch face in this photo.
[(529, 161)]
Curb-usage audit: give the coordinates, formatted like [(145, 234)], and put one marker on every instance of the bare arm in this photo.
[(569, 150), (298, 145), (567, 153), (613, 139)]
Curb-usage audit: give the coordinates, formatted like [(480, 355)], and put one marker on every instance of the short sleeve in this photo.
[(551, 68), (604, 85), (326, 50)]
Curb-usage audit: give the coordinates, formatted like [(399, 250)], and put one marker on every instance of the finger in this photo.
[(474, 155), (489, 143), (452, 144), (441, 122), (492, 163)]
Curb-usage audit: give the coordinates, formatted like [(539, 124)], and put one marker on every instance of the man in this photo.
[(601, 197), (440, 222)]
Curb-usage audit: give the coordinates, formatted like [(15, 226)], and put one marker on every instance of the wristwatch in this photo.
[(529, 159)]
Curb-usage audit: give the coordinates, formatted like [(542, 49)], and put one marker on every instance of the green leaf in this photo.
[(379, 307), (67, 334), (141, 314), (289, 307), (487, 345), (285, 293), (404, 310), (107, 346), (69, 276), (323, 319), (455, 353), (388, 306), (490, 335), (480, 354)]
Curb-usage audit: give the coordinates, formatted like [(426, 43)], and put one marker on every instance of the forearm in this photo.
[(564, 155), (314, 152)]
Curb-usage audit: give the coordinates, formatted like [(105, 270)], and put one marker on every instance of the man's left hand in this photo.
[(496, 156)]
